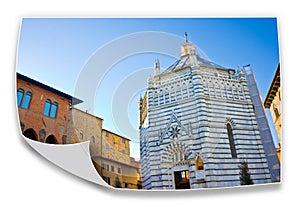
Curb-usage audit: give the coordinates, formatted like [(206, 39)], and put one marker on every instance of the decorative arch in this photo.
[(30, 134), (51, 140), (176, 152)]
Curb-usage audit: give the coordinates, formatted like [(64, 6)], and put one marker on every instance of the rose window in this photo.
[(174, 132)]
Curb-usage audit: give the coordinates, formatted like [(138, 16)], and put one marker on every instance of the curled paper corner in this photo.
[(74, 158)]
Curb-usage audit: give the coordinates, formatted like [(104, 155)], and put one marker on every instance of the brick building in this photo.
[(43, 111), (47, 115)]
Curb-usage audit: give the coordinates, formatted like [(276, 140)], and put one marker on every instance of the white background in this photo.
[(30, 180)]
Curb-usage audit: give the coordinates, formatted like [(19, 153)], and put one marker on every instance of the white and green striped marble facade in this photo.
[(189, 107)]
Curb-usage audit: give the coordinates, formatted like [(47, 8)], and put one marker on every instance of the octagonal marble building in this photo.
[(198, 122)]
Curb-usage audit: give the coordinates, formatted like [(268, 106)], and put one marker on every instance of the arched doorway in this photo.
[(180, 168), (51, 140), (30, 133), (175, 156)]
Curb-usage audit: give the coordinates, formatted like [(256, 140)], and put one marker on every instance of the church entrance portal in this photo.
[(182, 180)]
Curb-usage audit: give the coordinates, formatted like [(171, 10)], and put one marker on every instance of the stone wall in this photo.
[(86, 127)]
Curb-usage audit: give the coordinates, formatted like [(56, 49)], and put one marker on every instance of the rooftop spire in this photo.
[(185, 36), (187, 48), (156, 67)]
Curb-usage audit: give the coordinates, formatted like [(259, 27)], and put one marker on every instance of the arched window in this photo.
[(20, 94), (173, 94), (50, 108), (47, 107), (167, 96), (231, 140), (53, 110), (26, 100), (161, 97), (93, 139), (23, 100)]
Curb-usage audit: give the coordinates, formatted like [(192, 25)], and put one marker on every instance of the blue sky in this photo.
[(56, 51)]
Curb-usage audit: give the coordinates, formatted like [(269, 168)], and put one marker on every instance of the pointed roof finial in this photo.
[(186, 35), (156, 63)]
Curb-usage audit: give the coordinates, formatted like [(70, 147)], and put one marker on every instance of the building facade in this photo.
[(114, 163), (86, 127), (109, 151), (48, 115), (43, 111), (197, 123), (273, 102)]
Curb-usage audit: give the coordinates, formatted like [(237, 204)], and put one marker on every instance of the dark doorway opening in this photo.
[(29, 133), (182, 180), (51, 140)]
